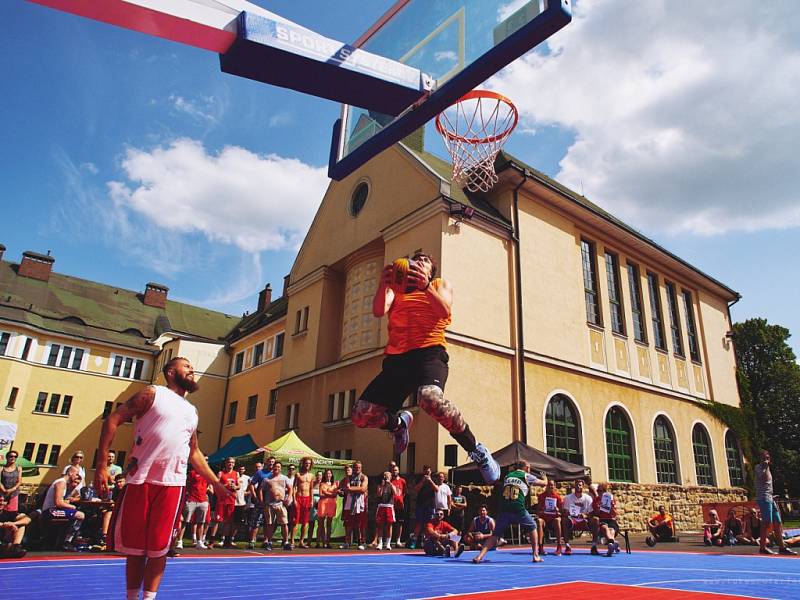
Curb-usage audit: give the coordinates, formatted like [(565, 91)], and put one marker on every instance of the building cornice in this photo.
[(318, 274)]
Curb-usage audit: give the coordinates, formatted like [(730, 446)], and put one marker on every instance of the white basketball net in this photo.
[(474, 130)]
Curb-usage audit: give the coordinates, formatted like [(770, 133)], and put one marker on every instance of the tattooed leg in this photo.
[(367, 414), (431, 399)]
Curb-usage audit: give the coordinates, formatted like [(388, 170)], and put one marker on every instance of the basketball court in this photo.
[(507, 573)]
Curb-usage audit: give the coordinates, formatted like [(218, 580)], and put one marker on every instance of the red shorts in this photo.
[(303, 504), (225, 511), (146, 519), (358, 521), (385, 514)]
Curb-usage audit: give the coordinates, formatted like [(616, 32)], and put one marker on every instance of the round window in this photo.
[(359, 198)]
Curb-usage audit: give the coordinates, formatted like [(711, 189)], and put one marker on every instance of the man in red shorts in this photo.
[(146, 517), (303, 485), (549, 513), (226, 506)]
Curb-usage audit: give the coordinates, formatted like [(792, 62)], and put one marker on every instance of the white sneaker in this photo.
[(344, 546), (179, 545), (201, 545), (380, 545), (387, 547), (490, 470), (362, 547), (400, 545)]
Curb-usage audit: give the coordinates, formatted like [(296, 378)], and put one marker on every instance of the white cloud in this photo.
[(446, 55), (206, 108), (281, 119), (685, 118), (235, 197), (90, 167)]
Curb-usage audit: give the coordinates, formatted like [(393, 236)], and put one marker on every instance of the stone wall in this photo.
[(637, 502)]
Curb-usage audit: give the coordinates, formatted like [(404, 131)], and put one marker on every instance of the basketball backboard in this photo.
[(457, 44)]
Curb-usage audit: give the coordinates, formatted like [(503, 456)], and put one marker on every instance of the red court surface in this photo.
[(583, 589)]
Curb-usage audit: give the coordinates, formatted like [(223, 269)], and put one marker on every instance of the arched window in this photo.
[(562, 428), (619, 445), (664, 446), (703, 461), (734, 456)]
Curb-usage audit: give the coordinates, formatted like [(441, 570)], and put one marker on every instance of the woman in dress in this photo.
[(326, 508), (10, 480)]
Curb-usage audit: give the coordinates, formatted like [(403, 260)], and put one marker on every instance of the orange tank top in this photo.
[(413, 322)]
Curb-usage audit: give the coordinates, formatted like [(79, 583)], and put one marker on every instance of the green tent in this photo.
[(29, 469), (290, 449)]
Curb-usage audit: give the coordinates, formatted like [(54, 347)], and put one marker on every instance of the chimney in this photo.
[(36, 266), (264, 298), (285, 285), (155, 295), (2, 251)]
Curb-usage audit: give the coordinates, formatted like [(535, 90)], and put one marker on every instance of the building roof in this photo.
[(504, 160), (274, 311), (81, 308)]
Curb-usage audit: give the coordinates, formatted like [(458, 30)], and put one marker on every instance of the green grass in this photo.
[(793, 524)]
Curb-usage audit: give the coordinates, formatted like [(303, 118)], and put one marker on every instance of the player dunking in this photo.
[(146, 517), (416, 362)]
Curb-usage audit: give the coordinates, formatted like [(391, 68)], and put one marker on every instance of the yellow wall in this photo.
[(253, 381)]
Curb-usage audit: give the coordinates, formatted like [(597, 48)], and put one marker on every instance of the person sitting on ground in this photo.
[(12, 530), (549, 507), (577, 513), (480, 529), (438, 540), (605, 509), (734, 530), (713, 531), (752, 524), (56, 506), (661, 525)]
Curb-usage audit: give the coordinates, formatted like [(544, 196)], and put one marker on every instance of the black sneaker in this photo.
[(447, 551), (460, 551), (786, 550), (594, 551), (287, 546)]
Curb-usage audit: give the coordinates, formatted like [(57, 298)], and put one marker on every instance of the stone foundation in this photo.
[(637, 502)]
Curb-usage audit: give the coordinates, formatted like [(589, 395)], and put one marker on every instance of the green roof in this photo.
[(78, 307), (249, 323)]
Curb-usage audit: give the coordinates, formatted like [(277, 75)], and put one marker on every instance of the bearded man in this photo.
[(145, 518)]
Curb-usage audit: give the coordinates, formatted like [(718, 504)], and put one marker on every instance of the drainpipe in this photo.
[(520, 353), (224, 400)]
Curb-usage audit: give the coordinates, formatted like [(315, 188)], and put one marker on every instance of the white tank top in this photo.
[(50, 498), (161, 442)]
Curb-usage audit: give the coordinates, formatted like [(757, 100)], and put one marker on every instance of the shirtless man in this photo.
[(304, 483), (275, 494)]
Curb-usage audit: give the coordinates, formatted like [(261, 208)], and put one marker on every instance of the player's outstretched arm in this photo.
[(384, 296), (136, 406)]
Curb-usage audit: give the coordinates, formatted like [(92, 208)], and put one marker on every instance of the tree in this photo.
[(769, 386)]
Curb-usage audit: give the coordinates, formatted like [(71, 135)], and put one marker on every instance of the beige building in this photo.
[(571, 331), (72, 349)]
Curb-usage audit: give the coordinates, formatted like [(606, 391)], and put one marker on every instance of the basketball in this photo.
[(400, 281)]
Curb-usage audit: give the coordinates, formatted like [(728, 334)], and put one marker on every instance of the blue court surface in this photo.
[(410, 575)]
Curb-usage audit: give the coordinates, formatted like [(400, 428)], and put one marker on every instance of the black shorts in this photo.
[(611, 523), (403, 374)]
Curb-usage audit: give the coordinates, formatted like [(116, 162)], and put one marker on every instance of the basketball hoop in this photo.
[(474, 130)]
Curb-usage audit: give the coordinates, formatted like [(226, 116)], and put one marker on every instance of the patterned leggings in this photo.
[(429, 397)]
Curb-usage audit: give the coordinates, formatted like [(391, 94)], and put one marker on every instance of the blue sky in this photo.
[(134, 159)]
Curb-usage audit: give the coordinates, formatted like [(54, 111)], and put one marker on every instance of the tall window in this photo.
[(279, 344), (637, 314), (614, 294), (258, 354), (272, 405), (55, 450), (703, 462), (674, 320), (41, 454), (562, 429), (4, 339), (619, 446), (41, 400), (664, 446), (238, 363), (293, 416), (66, 405), (734, 457), (657, 317), (252, 405), (26, 349), (232, 408), (12, 398), (27, 454), (590, 283), (107, 408), (691, 328)]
